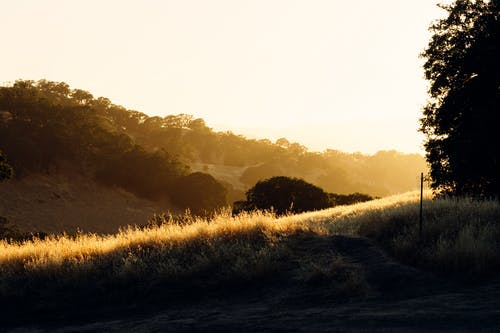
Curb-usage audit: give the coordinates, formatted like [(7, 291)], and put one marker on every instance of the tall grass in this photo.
[(243, 247), (459, 236)]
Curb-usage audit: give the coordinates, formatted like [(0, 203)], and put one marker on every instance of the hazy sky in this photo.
[(329, 74)]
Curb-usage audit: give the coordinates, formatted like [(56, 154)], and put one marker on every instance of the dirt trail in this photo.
[(398, 299), (382, 273)]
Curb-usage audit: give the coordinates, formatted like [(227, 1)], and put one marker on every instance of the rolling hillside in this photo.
[(55, 204)]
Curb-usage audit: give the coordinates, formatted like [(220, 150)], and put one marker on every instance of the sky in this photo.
[(332, 74)]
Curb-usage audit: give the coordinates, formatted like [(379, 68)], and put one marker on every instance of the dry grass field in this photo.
[(458, 235), (175, 259)]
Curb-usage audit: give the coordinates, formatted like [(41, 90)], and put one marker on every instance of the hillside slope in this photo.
[(55, 204), (46, 125)]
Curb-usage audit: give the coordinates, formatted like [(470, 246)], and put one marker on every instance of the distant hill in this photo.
[(50, 129)]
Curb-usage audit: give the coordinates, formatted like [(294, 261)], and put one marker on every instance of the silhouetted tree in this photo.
[(284, 194), (462, 117), (348, 199), (200, 192), (147, 174), (6, 171)]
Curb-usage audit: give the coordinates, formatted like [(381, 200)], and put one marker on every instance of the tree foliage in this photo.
[(284, 194), (292, 195), (148, 174), (50, 128), (200, 192), (348, 199), (6, 171), (462, 116)]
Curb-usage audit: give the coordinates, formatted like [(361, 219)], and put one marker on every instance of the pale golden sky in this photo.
[(329, 74)]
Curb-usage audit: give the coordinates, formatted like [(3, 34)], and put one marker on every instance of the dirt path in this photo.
[(398, 298)]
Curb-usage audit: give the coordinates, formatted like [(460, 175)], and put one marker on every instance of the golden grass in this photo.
[(56, 250), (459, 236), (201, 252)]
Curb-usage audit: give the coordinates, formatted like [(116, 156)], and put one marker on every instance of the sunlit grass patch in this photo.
[(226, 248), (459, 236)]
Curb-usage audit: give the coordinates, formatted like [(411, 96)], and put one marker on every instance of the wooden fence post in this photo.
[(421, 200)]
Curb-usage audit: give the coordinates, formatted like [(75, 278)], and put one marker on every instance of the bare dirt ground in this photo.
[(389, 298)]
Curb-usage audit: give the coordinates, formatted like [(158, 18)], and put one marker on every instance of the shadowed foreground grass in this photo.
[(460, 237)]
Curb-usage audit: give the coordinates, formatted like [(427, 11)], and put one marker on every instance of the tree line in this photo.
[(70, 124), (46, 127)]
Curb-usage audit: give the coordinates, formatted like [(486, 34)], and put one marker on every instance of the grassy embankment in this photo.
[(460, 237)]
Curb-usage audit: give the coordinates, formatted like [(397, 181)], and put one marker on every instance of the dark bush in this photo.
[(348, 199), (283, 195), (200, 192)]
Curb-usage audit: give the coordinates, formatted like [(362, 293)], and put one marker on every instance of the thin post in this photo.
[(421, 200)]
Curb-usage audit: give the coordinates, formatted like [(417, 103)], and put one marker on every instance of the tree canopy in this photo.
[(200, 192), (462, 116), (46, 127), (285, 194), (292, 195)]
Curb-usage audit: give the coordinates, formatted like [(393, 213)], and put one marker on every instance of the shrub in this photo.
[(200, 192), (348, 199), (283, 195)]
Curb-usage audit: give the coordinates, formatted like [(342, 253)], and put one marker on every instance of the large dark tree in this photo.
[(461, 119)]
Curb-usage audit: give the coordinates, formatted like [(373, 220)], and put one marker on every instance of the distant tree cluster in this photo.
[(285, 195), (383, 173), (348, 199), (51, 111), (462, 117), (200, 192), (48, 127)]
